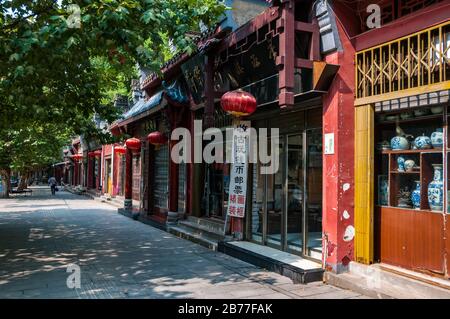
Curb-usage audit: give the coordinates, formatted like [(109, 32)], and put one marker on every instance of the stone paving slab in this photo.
[(41, 235)]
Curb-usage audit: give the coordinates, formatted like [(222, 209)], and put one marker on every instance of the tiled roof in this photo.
[(142, 105)]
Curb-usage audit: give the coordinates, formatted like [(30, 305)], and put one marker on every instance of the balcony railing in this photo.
[(410, 63)]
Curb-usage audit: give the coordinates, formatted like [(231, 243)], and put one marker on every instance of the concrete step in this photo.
[(198, 238), (376, 282), (111, 201), (213, 225), (202, 229), (299, 269)]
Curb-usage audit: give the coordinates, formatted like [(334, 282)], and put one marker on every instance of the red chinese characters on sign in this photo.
[(239, 168)]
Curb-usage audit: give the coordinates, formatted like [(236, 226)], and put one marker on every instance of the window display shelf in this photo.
[(432, 150), (410, 172), (410, 120)]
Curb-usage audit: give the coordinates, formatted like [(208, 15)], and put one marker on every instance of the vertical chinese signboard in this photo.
[(239, 169)]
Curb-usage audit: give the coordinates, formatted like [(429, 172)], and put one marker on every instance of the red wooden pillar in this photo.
[(128, 204), (90, 172), (286, 58), (338, 168), (99, 174)]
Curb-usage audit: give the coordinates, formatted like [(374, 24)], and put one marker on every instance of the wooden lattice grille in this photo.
[(414, 61)]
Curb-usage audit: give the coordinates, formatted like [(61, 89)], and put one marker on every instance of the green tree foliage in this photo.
[(58, 70)]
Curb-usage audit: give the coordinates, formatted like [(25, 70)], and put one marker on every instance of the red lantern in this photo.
[(157, 138), (134, 144), (120, 150), (238, 103), (77, 157)]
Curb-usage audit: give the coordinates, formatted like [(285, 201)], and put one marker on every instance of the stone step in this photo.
[(201, 239), (299, 269), (376, 282), (201, 229), (213, 225)]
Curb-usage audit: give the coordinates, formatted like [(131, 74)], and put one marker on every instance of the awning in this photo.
[(141, 106)]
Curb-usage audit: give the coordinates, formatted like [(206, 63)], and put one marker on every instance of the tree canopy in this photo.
[(64, 61)]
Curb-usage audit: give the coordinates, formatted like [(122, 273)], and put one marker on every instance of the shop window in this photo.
[(411, 186), (409, 158)]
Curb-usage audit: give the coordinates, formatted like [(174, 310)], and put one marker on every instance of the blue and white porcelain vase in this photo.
[(423, 142), (409, 165), (401, 163), (384, 192), (399, 143), (436, 189), (415, 195), (437, 138)]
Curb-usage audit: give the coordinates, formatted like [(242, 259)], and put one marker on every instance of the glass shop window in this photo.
[(409, 159)]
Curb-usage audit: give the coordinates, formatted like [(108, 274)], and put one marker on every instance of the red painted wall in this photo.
[(338, 169)]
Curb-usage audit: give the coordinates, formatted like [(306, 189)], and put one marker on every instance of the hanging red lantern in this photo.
[(77, 157), (157, 138), (134, 144), (120, 150), (238, 103)]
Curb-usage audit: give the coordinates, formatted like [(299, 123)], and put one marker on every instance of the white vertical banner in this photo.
[(239, 169)]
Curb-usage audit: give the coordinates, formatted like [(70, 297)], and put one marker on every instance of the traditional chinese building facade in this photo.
[(337, 92), (401, 104)]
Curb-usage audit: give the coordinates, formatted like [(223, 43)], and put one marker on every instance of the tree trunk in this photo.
[(23, 182), (6, 176)]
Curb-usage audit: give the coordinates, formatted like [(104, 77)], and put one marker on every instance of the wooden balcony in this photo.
[(415, 64)]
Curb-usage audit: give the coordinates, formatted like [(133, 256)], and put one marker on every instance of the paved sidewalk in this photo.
[(120, 258)]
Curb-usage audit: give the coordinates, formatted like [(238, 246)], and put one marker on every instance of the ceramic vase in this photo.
[(401, 163), (423, 142), (436, 189), (409, 165), (384, 192), (436, 109), (437, 138), (415, 195), (399, 143)]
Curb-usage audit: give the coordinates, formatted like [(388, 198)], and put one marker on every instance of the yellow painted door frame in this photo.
[(364, 183)]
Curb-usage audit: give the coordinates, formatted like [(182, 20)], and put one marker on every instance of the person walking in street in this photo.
[(52, 182)]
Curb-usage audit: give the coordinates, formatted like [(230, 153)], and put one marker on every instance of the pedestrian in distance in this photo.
[(52, 182)]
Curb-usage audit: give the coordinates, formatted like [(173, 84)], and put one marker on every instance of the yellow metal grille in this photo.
[(416, 61)]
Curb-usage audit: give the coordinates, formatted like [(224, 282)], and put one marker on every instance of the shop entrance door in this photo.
[(215, 196), (287, 205)]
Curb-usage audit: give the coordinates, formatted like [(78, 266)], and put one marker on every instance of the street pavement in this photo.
[(42, 235)]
